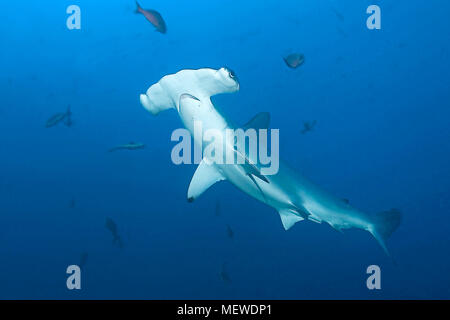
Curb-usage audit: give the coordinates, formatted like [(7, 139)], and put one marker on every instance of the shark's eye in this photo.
[(231, 73)]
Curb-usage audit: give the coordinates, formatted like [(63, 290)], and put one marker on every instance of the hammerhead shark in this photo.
[(292, 195)]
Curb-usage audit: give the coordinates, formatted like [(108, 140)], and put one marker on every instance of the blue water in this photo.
[(380, 98)]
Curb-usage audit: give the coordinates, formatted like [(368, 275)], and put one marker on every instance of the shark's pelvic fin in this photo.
[(288, 218), (260, 121), (204, 177)]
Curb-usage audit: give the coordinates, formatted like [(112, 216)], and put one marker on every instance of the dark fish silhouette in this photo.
[(338, 14), (72, 204), (294, 60), (129, 146), (230, 232), (57, 118), (154, 17), (341, 31), (83, 259), (224, 274), (308, 126), (111, 226), (68, 122)]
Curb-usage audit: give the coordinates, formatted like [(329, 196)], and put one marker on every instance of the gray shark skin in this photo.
[(291, 194)]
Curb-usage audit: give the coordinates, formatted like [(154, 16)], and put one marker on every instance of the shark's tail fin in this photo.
[(118, 241), (384, 224), (68, 122)]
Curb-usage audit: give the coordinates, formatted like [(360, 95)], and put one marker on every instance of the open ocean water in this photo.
[(381, 139)]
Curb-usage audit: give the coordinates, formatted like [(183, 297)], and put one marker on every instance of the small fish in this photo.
[(224, 274), (111, 226), (308, 126), (83, 259), (294, 60), (72, 204), (341, 31), (154, 17), (338, 14), (129, 146), (230, 232), (57, 118), (68, 122)]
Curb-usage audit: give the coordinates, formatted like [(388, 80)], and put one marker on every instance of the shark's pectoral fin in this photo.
[(204, 177), (288, 218)]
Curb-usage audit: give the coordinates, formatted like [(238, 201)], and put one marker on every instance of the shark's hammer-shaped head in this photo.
[(201, 83), (229, 79), (194, 103)]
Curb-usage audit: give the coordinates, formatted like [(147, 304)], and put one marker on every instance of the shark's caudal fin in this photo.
[(384, 224)]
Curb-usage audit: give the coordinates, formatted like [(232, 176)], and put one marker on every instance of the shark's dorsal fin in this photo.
[(288, 218), (204, 177), (260, 121)]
